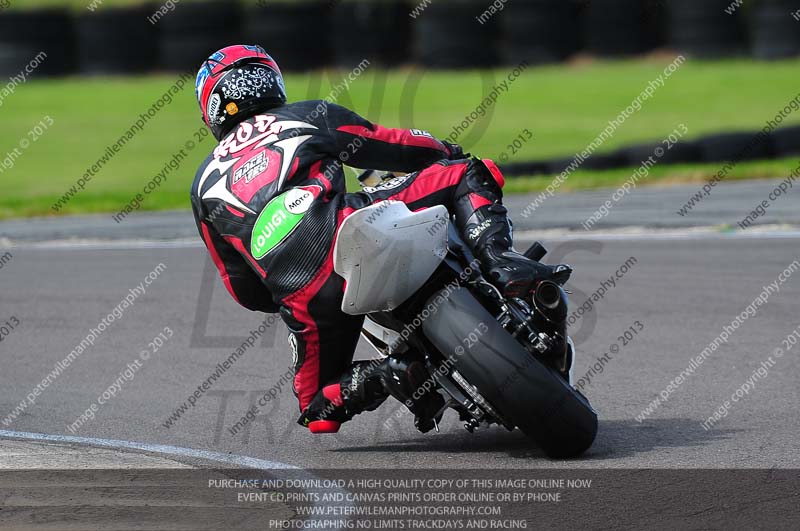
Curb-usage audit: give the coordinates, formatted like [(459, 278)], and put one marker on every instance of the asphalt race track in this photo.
[(678, 293)]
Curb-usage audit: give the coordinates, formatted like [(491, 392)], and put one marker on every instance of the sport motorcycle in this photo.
[(496, 359)]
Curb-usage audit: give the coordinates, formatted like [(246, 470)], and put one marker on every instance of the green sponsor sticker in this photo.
[(278, 219)]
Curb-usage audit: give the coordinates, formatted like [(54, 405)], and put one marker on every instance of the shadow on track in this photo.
[(616, 439)]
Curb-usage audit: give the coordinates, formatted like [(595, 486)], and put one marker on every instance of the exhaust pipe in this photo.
[(550, 301), (550, 315)]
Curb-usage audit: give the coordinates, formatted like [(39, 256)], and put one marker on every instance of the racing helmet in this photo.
[(235, 83)]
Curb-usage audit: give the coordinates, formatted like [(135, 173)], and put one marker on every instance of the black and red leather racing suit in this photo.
[(305, 145)]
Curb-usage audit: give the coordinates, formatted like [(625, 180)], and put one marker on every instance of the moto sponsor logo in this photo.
[(298, 200), (278, 219)]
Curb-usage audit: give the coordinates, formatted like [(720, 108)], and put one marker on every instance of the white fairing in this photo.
[(383, 334), (385, 252)]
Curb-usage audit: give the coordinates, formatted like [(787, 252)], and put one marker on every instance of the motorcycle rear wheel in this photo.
[(533, 397)]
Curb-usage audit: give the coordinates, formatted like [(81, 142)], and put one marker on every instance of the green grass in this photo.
[(658, 175), (565, 107)]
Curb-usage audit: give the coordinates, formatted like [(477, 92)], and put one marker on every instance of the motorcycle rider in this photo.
[(268, 147)]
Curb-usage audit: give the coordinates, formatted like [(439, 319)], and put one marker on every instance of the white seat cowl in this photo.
[(386, 253)]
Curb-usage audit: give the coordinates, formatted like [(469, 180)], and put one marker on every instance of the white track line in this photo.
[(102, 245), (622, 234), (634, 234), (229, 459), (163, 449)]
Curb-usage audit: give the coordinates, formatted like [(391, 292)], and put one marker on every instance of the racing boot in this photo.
[(410, 383), (488, 233), (359, 389), (365, 387), (484, 224)]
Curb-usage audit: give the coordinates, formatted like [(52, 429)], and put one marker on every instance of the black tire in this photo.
[(448, 36), (539, 31), (116, 41), (775, 34), (704, 29), (194, 31), (598, 161), (653, 15), (786, 141), (521, 169), (604, 161), (559, 165), (679, 153), (378, 32), (619, 27), (735, 147), (533, 397), (25, 34), (297, 35), (186, 52)]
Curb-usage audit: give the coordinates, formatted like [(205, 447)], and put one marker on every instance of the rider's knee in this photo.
[(483, 176), (497, 175)]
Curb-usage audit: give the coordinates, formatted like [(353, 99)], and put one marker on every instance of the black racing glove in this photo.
[(456, 152)]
